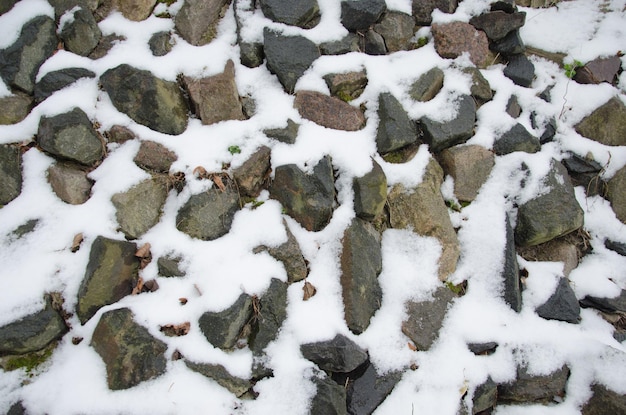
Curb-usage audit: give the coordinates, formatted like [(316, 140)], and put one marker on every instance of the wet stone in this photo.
[(69, 183), (562, 305)]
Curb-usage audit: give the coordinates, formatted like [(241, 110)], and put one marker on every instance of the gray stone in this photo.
[(251, 54), (361, 262), (366, 392), (32, 332), (480, 88), (155, 157), (329, 112), (136, 10), (510, 45), (513, 107), (208, 215), (347, 44), (82, 34), (288, 57), (148, 100), (169, 266), (441, 135), (550, 215), (361, 14), (370, 193), (25, 228), (549, 131), (139, 208), (606, 124), (346, 86), (20, 62), (427, 86), (469, 166), (17, 408), (599, 70), (608, 305), (57, 80), (604, 402), (14, 108), (485, 396), (270, 316), (516, 139), (330, 398), (61, 6), (556, 250), (69, 183), (119, 134), (130, 353), (253, 175), (520, 70), (337, 355), (222, 377), (223, 328), (71, 136), (6, 5), (111, 274), (290, 254), (374, 44), (197, 20), (397, 29), (425, 318), (395, 128), (422, 9), (106, 44), (498, 24), (455, 38), (161, 43), (10, 173), (615, 246), (508, 6), (309, 199), (586, 173), (529, 388), (301, 13), (562, 305), (285, 135)]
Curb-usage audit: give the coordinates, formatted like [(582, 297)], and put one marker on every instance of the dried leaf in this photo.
[(309, 290), (218, 182), (182, 300), (172, 330), (138, 287), (412, 346), (200, 172), (144, 255), (78, 239), (198, 289)]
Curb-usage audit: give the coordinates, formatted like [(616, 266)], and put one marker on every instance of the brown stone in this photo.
[(329, 112), (119, 134), (606, 124), (155, 157), (69, 183), (556, 250), (254, 173), (453, 39), (469, 166), (599, 70)]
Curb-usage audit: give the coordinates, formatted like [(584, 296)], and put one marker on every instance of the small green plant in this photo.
[(234, 150), (422, 41), (570, 68), (29, 362)]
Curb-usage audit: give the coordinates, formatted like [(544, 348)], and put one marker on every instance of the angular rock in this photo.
[(346, 86), (253, 175), (454, 39), (14, 108), (606, 124), (361, 262), (549, 131), (155, 157), (607, 305), (271, 314), (57, 80), (516, 139), (424, 210), (337, 355), (301, 13), (216, 98), (508, 6), (330, 398), (550, 215), (285, 135), (498, 24), (480, 88), (148, 100), (119, 134), (441, 135), (130, 353), (307, 198), (510, 45), (422, 9), (197, 20), (562, 305), (513, 108), (329, 112), (17, 408), (20, 62), (33, 332), (82, 34), (361, 14), (10, 173), (395, 128), (397, 29), (482, 349), (614, 246), (374, 44), (136, 10), (427, 86), (604, 402), (599, 70), (161, 43), (6, 5), (61, 6), (69, 183), (469, 166), (520, 70), (223, 328), (370, 193), (512, 285), (288, 57), (586, 173), (529, 388), (139, 208), (222, 377), (425, 318), (71, 136), (485, 396), (616, 194), (556, 250), (347, 44), (290, 254), (106, 44), (111, 274), (367, 391), (208, 215), (169, 266)]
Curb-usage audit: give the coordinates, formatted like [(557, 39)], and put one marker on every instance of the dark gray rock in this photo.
[(599, 70), (361, 262), (208, 215), (361, 14), (441, 135), (397, 29), (604, 402), (606, 124), (307, 198), (480, 88), (374, 44), (169, 266), (111, 274), (498, 24), (105, 45), (508, 6), (370, 193), (290, 254), (285, 135), (329, 112), (14, 108), (25, 228), (330, 398), (10, 173), (135, 10), (250, 52), (57, 80), (346, 86), (337, 355), (61, 6), (469, 166), (367, 391), (455, 38), (33, 332), (614, 246), (427, 86), (350, 43), (607, 305), (513, 108), (550, 215), (425, 318), (520, 70), (71, 136), (272, 312), (422, 10), (82, 34), (529, 388), (510, 45), (288, 57), (148, 100), (223, 328), (482, 349), (222, 377), (395, 128), (556, 250), (253, 175), (153, 156), (586, 173), (161, 43), (549, 131), (139, 208), (130, 353), (20, 62), (69, 183), (301, 13), (6, 5), (485, 396), (17, 409), (197, 20), (516, 139), (562, 305)]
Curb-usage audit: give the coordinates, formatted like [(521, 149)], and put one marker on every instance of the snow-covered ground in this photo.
[(73, 380)]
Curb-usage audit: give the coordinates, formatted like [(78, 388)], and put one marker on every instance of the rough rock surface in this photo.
[(599, 70), (423, 9), (154, 157), (57, 80), (361, 14), (339, 354), (498, 24), (223, 328), (520, 70), (562, 305), (329, 112), (607, 124), (139, 208), (330, 398), (529, 388), (82, 35), (286, 134), (196, 21), (252, 176), (516, 139), (69, 183), (288, 57), (469, 166), (397, 29), (425, 318), (222, 377), (454, 39), (512, 286), (10, 173), (290, 254), (395, 128), (365, 393), (441, 135), (14, 108), (370, 193), (427, 85), (272, 311), (346, 86), (604, 402), (480, 88), (616, 193), (301, 13)]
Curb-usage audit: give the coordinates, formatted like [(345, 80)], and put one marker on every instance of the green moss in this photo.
[(422, 41), (167, 2), (344, 96), (164, 15), (29, 362), (457, 289)]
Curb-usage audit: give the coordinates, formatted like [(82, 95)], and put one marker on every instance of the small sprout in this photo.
[(234, 150), (256, 203), (570, 68)]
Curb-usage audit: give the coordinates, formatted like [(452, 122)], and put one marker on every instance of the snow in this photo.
[(74, 379)]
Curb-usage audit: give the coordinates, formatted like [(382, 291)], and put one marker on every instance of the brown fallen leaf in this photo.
[(412, 346), (182, 300), (78, 239), (144, 255), (218, 182), (200, 172), (309, 290), (137, 289), (150, 286), (173, 330)]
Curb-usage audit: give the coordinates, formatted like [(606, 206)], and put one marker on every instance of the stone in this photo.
[(425, 318), (608, 305), (469, 166), (216, 98), (339, 354), (606, 124), (161, 43), (346, 86), (549, 131), (361, 14), (253, 175), (483, 349), (586, 173), (562, 305), (301, 13), (604, 402), (529, 388), (441, 135), (361, 262), (329, 112), (285, 135), (288, 57), (485, 396), (512, 285), (25, 228), (508, 6), (6, 5), (330, 398), (197, 20), (139, 208), (614, 246), (427, 86), (513, 108), (82, 34), (71, 136), (17, 408), (520, 70), (498, 24), (146, 99), (480, 88), (395, 128), (32, 332), (153, 156), (10, 173), (552, 214), (308, 198), (422, 9), (208, 215), (516, 139), (20, 62), (347, 44), (61, 6), (270, 316), (106, 44), (366, 392), (119, 134), (111, 274), (169, 266), (135, 10), (510, 45), (424, 211), (374, 44), (223, 328), (69, 183), (556, 250), (455, 38), (370, 193), (130, 353), (14, 108), (599, 70), (397, 29), (222, 377), (57, 80), (290, 254)]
